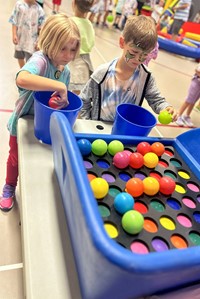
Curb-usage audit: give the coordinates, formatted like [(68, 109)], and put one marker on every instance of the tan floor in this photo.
[(173, 75)]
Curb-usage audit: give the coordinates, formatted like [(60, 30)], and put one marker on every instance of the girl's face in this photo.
[(132, 54), (66, 54)]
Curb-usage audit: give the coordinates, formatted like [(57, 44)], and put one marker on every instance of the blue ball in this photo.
[(123, 202), (84, 146)]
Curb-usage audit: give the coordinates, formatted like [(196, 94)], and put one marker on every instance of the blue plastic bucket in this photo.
[(133, 120), (43, 113)]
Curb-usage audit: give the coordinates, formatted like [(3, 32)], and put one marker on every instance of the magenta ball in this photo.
[(121, 160)]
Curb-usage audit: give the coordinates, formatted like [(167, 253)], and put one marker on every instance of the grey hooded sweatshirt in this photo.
[(91, 94)]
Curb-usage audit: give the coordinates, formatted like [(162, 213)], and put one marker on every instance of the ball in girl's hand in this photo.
[(53, 102)]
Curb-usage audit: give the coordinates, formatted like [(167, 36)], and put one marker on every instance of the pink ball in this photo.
[(121, 160)]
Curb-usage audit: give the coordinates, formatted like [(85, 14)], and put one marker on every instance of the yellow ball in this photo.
[(151, 186), (99, 187), (150, 160)]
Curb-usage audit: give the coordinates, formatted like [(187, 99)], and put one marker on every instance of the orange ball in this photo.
[(151, 186), (158, 148), (135, 187), (91, 176)]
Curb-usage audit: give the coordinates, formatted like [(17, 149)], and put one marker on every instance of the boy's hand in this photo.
[(173, 112)]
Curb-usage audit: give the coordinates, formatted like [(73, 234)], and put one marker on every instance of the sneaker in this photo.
[(7, 198), (180, 122), (187, 121)]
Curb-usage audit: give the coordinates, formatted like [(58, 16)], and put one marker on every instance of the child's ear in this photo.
[(121, 42)]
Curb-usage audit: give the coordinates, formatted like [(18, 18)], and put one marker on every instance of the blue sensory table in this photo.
[(106, 267)]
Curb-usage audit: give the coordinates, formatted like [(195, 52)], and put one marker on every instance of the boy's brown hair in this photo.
[(84, 5), (141, 32)]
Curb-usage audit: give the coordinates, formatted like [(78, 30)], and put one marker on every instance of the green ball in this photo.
[(115, 146), (165, 117), (110, 18), (132, 222), (99, 147)]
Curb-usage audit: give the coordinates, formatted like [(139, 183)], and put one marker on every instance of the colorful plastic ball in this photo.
[(121, 160), (85, 146), (115, 146), (128, 152), (110, 18), (151, 186), (143, 148), (53, 102), (158, 148), (151, 160), (99, 187), (99, 147), (123, 202), (91, 176), (132, 222), (165, 117), (136, 160), (135, 187), (167, 185)]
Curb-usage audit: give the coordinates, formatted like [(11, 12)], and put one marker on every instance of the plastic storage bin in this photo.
[(105, 268), (43, 113)]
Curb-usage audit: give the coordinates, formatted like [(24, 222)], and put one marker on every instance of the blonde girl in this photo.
[(46, 70)]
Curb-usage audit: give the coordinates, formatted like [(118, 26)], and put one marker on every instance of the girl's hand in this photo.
[(173, 112), (62, 101)]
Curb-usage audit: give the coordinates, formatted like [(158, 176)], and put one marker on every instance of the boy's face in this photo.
[(132, 54)]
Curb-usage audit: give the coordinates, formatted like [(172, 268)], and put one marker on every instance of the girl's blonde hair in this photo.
[(56, 31), (141, 32)]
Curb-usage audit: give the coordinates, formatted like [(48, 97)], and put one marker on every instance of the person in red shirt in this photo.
[(56, 6)]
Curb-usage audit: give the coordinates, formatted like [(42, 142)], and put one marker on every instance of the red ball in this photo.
[(143, 148), (135, 187), (53, 102), (167, 185), (136, 160), (158, 148)]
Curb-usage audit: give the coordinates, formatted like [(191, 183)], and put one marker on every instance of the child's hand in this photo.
[(173, 112), (15, 40), (62, 101)]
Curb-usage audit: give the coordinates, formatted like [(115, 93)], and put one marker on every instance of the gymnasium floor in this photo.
[(173, 75)]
